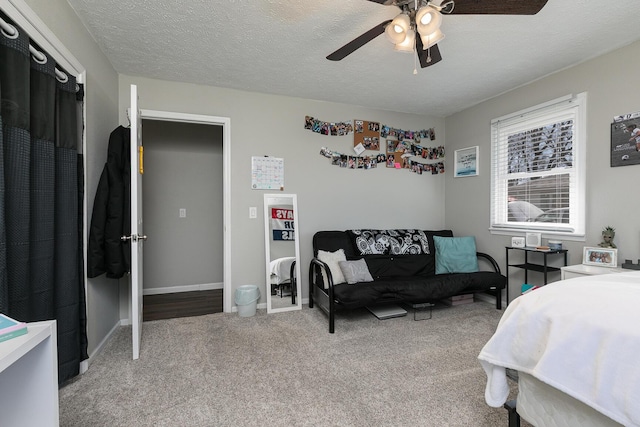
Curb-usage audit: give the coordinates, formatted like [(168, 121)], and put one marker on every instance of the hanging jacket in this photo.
[(111, 216)]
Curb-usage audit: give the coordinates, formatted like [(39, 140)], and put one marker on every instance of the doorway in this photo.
[(185, 206), (182, 304)]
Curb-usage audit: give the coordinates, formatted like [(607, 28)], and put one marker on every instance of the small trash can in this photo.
[(247, 297)]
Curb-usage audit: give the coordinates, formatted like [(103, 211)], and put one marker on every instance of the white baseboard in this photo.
[(183, 288), (84, 365)]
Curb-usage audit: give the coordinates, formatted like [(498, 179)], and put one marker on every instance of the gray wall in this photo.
[(102, 117), (611, 199), (328, 197), (182, 169)]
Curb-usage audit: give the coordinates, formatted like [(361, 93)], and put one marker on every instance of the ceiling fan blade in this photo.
[(384, 2), (424, 55), (358, 42), (498, 7)]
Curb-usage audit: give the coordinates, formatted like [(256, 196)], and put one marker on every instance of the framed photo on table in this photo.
[(465, 162), (602, 257)]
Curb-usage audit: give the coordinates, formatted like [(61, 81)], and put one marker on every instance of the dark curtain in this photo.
[(41, 188)]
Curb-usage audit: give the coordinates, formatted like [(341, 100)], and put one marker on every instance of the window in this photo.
[(537, 169)]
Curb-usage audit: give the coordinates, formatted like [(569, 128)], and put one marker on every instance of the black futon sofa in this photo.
[(402, 266)]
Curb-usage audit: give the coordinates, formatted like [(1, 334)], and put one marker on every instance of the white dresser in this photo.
[(29, 378), (579, 270)]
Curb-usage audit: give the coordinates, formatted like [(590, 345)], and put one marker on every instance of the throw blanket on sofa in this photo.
[(390, 242)]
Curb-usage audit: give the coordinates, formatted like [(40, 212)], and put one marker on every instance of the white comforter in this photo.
[(281, 270), (581, 336)]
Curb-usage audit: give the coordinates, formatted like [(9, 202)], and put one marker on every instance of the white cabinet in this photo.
[(29, 378), (579, 270)]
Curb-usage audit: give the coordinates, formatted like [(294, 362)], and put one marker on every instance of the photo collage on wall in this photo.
[(404, 154), (400, 148), (367, 135), (328, 128)]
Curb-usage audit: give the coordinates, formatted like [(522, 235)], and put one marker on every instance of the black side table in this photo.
[(526, 266)]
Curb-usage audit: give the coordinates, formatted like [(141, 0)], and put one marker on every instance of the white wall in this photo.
[(102, 117), (609, 81), (328, 197)]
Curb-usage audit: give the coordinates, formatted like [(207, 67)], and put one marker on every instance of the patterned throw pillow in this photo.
[(332, 259), (355, 271), (394, 242)]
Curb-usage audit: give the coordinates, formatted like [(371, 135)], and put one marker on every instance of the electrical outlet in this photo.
[(183, 213), (253, 212)]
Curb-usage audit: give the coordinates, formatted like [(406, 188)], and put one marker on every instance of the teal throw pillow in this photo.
[(455, 254)]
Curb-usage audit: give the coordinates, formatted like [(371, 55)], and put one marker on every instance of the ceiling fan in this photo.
[(417, 27)]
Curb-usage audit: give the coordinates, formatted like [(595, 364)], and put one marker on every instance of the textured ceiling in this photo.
[(279, 47)]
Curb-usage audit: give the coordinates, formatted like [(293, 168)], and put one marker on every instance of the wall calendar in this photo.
[(267, 173)]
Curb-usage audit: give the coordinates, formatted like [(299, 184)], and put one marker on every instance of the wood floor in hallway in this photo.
[(181, 304)]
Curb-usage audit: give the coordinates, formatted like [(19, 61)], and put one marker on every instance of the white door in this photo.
[(137, 236)]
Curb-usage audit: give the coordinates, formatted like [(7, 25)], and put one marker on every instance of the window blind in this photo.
[(537, 168)]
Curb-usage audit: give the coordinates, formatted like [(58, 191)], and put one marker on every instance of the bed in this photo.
[(575, 345), (281, 270)]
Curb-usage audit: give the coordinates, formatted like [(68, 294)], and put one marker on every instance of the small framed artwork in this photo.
[(603, 257), (518, 242), (465, 162), (625, 140)]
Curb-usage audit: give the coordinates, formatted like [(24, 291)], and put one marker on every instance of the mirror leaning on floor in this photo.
[(282, 253)]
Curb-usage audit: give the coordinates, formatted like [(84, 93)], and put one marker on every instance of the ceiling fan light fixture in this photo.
[(447, 7), (397, 30), (431, 39), (428, 20), (408, 43)]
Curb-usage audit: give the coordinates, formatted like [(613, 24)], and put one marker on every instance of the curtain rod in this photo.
[(11, 32)]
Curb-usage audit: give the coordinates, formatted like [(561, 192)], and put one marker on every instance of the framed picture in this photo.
[(625, 141), (465, 162), (518, 242), (603, 257)]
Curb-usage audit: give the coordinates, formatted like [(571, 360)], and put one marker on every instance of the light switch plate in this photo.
[(253, 212), (518, 242)]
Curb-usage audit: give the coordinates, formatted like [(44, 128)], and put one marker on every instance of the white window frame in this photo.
[(573, 105)]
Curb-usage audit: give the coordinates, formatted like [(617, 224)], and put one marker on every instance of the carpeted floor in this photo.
[(286, 370)]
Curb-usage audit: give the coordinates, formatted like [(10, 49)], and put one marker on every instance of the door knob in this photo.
[(133, 237)]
